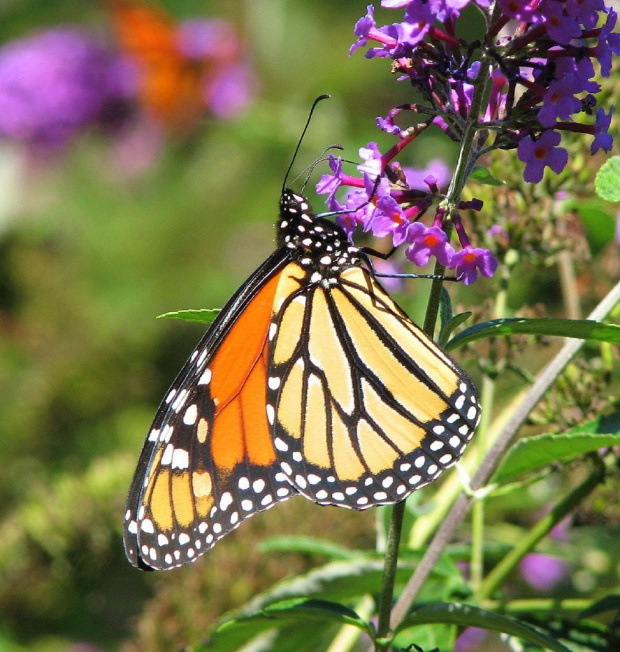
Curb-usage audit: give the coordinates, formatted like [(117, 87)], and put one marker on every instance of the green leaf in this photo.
[(597, 218), (204, 315), (482, 175), (532, 453), (607, 181), (445, 307), (608, 603), (449, 328), (468, 616), (308, 545), (297, 609), (583, 329), (340, 581)]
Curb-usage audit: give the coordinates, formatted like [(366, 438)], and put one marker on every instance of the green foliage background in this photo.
[(87, 260)]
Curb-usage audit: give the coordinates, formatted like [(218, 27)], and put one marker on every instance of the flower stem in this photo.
[(398, 511), (389, 572)]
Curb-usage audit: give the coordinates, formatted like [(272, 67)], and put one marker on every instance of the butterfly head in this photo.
[(316, 242)]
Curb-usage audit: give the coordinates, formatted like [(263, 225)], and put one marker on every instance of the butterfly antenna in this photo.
[(310, 169), (303, 133)]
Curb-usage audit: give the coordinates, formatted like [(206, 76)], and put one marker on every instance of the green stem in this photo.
[(476, 565), (463, 168), (482, 444), (386, 596), (467, 158), (540, 530), (389, 572)]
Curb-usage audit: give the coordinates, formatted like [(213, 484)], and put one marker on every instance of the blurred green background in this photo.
[(90, 254)]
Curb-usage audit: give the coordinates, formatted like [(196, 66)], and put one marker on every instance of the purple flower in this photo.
[(329, 183), (426, 242), (602, 138), (524, 10), (363, 28), (387, 125), (608, 44), (436, 167), (371, 156), (585, 11), (394, 4), (560, 102), (54, 83), (582, 70), (388, 218), (471, 260), (542, 571), (537, 154), (560, 26)]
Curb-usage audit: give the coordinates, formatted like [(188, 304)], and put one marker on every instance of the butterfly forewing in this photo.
[(209, 461)]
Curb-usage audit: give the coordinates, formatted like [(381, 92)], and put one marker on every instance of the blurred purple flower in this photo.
[(202, 38), (231, 90), (436, 167), (470, 640), (54, 83), (229, 83), (541, 571)]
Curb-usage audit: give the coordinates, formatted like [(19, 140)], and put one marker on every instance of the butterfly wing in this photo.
[(365, 407), (170, 84), (209, 462)]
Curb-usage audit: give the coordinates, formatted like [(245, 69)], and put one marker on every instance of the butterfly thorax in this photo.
[(317, 243)]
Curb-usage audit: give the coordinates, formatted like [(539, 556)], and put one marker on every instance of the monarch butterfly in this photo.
[(310, 381)]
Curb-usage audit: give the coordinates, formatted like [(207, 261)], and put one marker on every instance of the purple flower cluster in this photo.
[(54, 83), (58, 81), (394, 210), (518, 86)]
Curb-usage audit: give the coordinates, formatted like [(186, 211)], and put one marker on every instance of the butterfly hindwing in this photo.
[(367, 407), (209, 462)]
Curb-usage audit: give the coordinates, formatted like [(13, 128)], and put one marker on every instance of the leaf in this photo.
[(607, 181), (532, 453), (468, 616), (608, 603), (204, 315), (482, 175), (237, 631), (445, 308), (322, 610), (597, 218), (451, 326), (340, 581), (308, 545), (583, 329)]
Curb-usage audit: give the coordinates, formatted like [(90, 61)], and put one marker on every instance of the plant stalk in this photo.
[(540, 530), (458, 512)]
